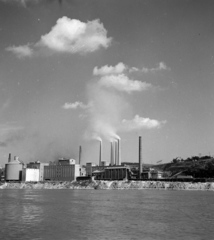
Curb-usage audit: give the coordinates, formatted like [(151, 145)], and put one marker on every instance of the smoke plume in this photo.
[(105, 112), (108, 103)]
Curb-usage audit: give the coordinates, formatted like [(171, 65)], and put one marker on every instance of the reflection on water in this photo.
[(105, 214), (18, 213), (31, 213)]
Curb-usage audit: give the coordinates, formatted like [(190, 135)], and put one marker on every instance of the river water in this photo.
[(106, 214)]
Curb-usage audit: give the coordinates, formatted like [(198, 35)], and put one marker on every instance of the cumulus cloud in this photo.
[(121, 67), (75, 105), (74, 36), (161, 66), (138, 123), (106, 70), (68, 36), (21, 51), (122, 83)]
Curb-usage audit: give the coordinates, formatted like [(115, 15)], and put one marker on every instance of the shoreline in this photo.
[(110, 185)]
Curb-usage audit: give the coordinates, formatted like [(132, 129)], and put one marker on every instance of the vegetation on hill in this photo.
[(198, 167)]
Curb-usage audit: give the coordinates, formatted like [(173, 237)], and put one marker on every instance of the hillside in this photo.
[(198, 167)]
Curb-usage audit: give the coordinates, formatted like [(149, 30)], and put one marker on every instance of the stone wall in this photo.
[(88, 184)]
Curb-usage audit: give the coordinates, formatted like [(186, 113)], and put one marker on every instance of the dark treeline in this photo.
[(198, 167)]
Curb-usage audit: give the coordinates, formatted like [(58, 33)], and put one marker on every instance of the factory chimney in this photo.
[(119, 151), (80, 153), (100, 155), (140, 158), (9, 158), (112, 154), (116, 153)]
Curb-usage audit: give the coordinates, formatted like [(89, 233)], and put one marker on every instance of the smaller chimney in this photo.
[(112, 154), (140, 158), (119, 152), (80, 153), (100, 156), (9, 158), (116, 154)]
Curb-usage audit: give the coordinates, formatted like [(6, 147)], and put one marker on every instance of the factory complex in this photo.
[(68, 169), (63, 170)]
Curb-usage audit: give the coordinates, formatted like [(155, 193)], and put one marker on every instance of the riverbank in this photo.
[(87, 184)]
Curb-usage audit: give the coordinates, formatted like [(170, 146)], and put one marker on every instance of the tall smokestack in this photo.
[(9, 158), (116, 154), (80, 153), (100, 156), (112, 154), (119, 151), (140, 158)]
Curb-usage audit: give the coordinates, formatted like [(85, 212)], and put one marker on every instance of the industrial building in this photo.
[(152, 174), (60, 173), (89, 169), (107, 172), (65, 161), (40, 166), (13, 169), (112, 173), (115, 171), (64, 170), (30, 175)]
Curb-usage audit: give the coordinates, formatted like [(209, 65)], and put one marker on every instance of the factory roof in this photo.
[(115, 167), (15, 162), (98, 171)]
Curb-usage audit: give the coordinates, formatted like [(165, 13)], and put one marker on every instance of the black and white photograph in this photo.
[(106, 119)]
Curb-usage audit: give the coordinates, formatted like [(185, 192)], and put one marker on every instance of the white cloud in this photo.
[(134, 69), (106, 70), (123, 83), (68, 36), (161, 66), (74, 36), (21, 51), (75, 105), (138, 123)]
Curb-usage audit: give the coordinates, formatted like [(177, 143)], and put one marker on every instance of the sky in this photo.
[(75, 72)]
